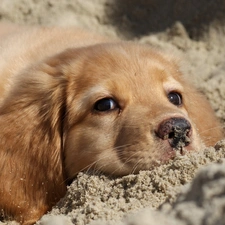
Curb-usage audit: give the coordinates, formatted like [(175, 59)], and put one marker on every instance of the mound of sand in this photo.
[(99, 198), (190, 189)]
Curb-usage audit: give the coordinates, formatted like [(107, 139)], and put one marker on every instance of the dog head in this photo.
[(110, 108), (114, 108), (129, 108)]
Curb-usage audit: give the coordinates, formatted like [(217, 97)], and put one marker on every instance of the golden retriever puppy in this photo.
[(72, 101)]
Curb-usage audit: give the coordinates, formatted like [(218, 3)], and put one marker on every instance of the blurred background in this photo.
[(127, 18)]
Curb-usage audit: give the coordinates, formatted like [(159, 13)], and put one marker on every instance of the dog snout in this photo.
[(176, 130)]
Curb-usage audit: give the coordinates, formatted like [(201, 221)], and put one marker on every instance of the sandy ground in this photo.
[(190, 190)]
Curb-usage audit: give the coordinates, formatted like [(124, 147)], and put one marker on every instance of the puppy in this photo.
[(72, 101)]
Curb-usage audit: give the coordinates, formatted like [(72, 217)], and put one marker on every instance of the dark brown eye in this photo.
[(175, 98), (105, 104)]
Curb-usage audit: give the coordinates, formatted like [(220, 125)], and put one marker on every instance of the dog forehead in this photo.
[(127, 70), (128, 89), (134, 62)]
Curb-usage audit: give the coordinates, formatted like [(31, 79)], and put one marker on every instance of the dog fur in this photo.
[(51, 82)]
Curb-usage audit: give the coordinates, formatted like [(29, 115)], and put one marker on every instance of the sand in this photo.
[(92, 197), (189, 190)]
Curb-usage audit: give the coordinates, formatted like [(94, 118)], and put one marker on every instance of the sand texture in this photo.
[(98, 197), (190, 190)]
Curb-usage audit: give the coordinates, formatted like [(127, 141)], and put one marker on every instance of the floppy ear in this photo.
[(31, 158), (199, 110)]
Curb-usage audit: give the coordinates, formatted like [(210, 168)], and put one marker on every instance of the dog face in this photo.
[(129, 109)]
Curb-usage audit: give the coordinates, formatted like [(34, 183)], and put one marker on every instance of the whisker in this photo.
[(125, 162), (211, 129), (86, 169), (90, 166), (136, 165)]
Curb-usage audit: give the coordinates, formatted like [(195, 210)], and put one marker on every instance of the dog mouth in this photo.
[(173, 138)]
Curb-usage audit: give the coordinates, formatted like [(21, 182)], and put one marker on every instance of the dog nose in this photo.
[(176, 130)]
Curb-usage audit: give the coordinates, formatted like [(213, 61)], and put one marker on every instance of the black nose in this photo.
[(176, 130)]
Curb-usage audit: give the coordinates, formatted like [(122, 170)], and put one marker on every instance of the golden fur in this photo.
[(51, 79)]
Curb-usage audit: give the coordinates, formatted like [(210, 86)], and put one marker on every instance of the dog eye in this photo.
[(105, 104), (175, 98)]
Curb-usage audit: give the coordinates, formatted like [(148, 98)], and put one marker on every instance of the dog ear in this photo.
[(200, 111), (31, 119)]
